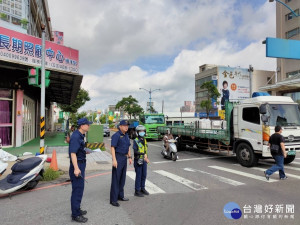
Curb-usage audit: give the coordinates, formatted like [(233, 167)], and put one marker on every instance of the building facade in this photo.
[(189, 106), (233, 83), (20, 50), (287, 81), (26, 16)]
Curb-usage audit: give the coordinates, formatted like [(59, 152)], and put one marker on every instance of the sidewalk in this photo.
[(56, 141)]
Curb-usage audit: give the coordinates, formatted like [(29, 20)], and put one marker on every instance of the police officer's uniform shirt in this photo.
[(121, 142), (77, 145)]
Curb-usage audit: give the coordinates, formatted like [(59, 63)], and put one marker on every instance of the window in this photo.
[(291, 15), (251, 115), (169, 123), (6, 9), (17, 6), (292, 74), (203, 80), (292, 33)]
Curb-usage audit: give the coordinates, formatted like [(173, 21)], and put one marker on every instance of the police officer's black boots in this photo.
[(80, 219), (138, 193), (144, 191), (83, 212)]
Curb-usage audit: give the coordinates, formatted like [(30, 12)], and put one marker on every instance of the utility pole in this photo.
[(150, 92), (42, 122), (250, 70)]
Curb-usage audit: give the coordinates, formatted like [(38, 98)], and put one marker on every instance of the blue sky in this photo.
[(129, 44)]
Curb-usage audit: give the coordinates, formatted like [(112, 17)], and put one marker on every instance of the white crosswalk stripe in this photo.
[(181, 180), (286, 167), (190, 159), (150, 187), (219, 178), (264, 169), (243, 174)]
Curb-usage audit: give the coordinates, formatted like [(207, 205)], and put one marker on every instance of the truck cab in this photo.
[(151, 122), (254, 121)]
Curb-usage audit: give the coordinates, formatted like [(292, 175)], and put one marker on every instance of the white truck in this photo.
[(249, 124)]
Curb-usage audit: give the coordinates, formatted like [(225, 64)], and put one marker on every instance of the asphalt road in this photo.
[(192, 190)]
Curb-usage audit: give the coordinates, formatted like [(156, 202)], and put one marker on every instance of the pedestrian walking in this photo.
[(120, 152), (276, 144), (141, 160), (77, 156)]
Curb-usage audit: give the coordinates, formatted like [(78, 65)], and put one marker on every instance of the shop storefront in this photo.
[(19, 101)]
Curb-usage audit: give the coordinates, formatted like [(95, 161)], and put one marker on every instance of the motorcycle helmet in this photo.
[(140, 128), (168, 131)]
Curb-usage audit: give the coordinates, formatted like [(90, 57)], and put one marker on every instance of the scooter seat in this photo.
[(26, 165), (14, 178)]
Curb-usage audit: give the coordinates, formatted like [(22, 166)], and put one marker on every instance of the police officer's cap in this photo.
[(124, 123), (83, 121)]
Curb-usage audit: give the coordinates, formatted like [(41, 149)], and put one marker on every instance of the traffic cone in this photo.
[(53, 164)]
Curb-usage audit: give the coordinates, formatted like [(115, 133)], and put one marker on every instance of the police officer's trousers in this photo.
[(77, 188), (141, 174), (118, 178)]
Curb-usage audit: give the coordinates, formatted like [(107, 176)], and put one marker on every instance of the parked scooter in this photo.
[(25, 174), (172, 153)]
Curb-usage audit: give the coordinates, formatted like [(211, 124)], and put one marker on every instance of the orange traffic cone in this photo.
[(53, 164)]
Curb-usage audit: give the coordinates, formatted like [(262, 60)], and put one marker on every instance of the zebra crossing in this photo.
[(162, 181)]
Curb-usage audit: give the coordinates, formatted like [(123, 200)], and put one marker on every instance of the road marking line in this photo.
[(160, 146), (243, 174), (286, 167), (151, 188), (181, 180), (190, 159), (264, 169), (219, 178)]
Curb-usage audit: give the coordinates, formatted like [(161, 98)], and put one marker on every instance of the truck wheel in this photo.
[(245, 155), (289, 159)]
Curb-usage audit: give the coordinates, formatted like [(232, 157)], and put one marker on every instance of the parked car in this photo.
[(106, 131)]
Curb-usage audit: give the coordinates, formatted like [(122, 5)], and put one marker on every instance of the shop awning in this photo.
[(63, 88), (287, 85)]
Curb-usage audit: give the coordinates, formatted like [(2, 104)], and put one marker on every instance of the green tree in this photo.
[(81, 98), (212, 93), (76, 116), (152, 110), (129, 105)]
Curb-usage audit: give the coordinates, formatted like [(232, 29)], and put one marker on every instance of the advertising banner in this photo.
[(25, 49), (233, 84)]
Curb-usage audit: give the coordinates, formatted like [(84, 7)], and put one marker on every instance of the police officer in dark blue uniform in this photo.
[(141, 160), (77, 169), (120, 151)]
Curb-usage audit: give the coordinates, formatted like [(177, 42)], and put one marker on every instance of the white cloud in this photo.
[(122, 31), (110, 33), (178, 81)]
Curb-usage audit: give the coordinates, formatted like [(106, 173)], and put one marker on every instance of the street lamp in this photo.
[(150, 92), (285, 6)]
